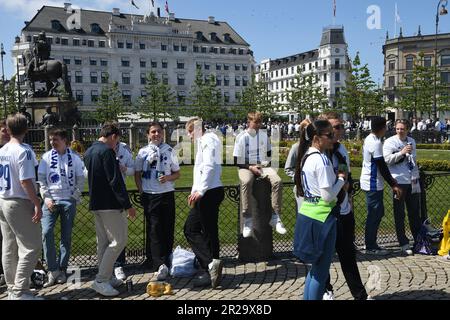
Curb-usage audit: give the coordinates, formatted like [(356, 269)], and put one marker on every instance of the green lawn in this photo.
[(84, 240)]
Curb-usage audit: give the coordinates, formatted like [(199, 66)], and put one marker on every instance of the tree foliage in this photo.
[(110, 104), (205, 98)]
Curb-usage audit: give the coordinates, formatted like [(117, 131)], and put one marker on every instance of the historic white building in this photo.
[(99, 45), (330, 63)]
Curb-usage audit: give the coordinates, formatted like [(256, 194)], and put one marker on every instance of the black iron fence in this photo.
[(84, 249)]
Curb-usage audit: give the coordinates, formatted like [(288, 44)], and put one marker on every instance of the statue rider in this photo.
[(41, 51)]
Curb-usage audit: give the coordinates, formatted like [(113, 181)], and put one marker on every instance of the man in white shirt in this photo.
[(20, 211), (201, 228), (156, 170), (373, 171), (61, 180), (126, 165), (400, 155), (252, 151), (4, 139)]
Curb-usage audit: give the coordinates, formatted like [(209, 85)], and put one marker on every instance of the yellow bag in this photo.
[(445, 242)]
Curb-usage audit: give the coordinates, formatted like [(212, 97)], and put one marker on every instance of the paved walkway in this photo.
[(390, 277)]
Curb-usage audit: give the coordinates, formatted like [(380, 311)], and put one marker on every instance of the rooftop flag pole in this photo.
[(334, 12), (134, 4)]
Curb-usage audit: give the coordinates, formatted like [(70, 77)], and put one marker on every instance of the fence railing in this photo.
[(84, 252)]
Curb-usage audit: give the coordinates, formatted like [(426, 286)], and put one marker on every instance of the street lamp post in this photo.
[(442, 5), (2, 53)]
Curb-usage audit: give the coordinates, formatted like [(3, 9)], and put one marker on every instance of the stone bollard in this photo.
[(259, 246)]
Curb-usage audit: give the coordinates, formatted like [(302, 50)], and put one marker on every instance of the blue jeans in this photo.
[(67, 210), (318, 274), (375, 211)]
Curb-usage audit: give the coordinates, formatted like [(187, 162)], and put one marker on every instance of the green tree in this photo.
[(205, 98), (306, 96), (360, 97), (255, 97), (110, 104), (159, 101), (12, 98)]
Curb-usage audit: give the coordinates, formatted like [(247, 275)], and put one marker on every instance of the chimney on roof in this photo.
[(420, 32), (158, 12), (172, 16), (116, 12), (67, 6), (211, 20)]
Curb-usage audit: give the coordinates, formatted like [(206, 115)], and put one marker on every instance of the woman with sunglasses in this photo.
[(316, 182), (399, 152)]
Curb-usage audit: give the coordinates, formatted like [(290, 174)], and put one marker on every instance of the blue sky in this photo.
[(273, 28)]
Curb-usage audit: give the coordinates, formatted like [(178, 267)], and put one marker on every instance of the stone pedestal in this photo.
[(259, 246), (36, 107)]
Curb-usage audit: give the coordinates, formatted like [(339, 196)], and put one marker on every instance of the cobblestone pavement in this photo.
[(390, 277)]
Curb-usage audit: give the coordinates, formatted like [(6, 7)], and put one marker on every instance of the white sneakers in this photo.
[(162, 273), (275, 222), (114, 282), (120, 274), (23, 296), (55, 277), (247, 229), (104, 288), (406, 249), (328, 295)]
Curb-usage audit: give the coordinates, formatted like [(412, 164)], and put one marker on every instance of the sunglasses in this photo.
[(339, 127), (329, 135)]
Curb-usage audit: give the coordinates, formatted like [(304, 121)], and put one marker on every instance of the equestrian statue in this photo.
[(41, 68)]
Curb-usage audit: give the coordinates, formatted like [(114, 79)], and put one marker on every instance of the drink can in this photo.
[(129, 284)]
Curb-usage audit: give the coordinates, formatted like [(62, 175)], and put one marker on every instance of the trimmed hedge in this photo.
[(442, 146)]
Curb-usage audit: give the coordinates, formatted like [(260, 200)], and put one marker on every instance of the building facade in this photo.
[(112, 46), (400, 56), (330, 63)]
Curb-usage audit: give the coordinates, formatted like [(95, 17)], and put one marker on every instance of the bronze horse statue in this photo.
[(48, 71)]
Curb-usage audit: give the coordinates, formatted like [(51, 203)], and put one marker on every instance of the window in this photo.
[(241, 51), (204, 49), (105, 77), (143, 78), (445, 77), (316, 64), (292, 69), (409, 79), (427, 61), (92, 62), (84, 42), (245, 67), (102, 43), (94, 95), (104, 63), (391, 65), (304, 67), (66, 60), (237, 96), (226, 67), (91, 43), (409, 63), (206, 66), (222, 50), (125, 63), (184, 48), (276, 74), (445, 60), (79, 95), (226, 97), (163, 47), (226, 81), (164, 64), (310, 66), (337, 63), (165, 79), (142, 46), (69, 76), (129, 45), (198, 66), (126, 78), (64, 42), (180, 65), (244, 81), (237, 67), (287, 71), (281, 72), (77, 61), (337, 76), (391, 81), (218, 66), (195, 49), (55, 25), (119, 44), (28, 38), (324, 63), (391, 97), (282, 84), (78, 77), (76, 42), (95, 28), (325, 76), (93, 77), (143, 93), (181, 97), (176, 47), (219, 81), (143, 63), (126, 96), (237, 81), (154, 64), (337, 90)]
